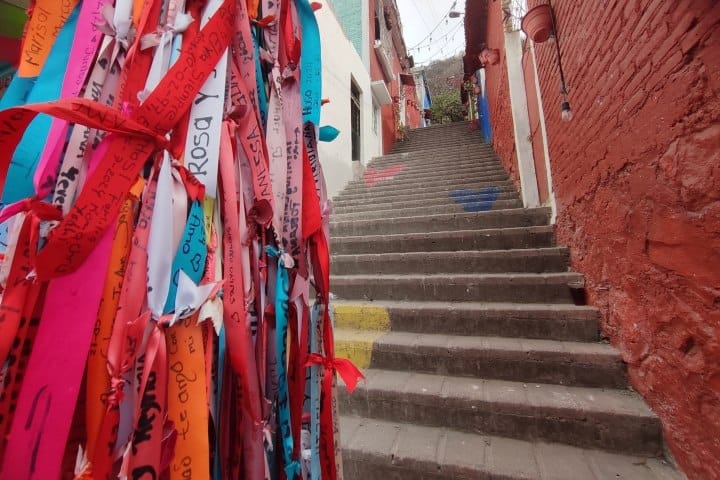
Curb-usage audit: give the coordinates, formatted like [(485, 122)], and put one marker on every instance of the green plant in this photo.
[(447, 107)]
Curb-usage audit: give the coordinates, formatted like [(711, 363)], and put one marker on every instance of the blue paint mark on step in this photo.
[(472, 201)]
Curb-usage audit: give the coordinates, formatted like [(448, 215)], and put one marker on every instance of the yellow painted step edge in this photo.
[(361, 317)]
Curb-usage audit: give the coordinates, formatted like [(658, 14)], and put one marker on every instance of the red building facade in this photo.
[(390, 64), (634, 179)]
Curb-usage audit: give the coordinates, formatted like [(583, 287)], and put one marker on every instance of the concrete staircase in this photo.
[(458, 305)]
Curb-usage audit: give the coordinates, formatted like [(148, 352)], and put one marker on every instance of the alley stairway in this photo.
[(459, 307)]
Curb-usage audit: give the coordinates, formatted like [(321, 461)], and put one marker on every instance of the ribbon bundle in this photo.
[(164, 243)]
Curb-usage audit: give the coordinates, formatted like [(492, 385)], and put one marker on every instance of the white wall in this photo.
[(341, 63)]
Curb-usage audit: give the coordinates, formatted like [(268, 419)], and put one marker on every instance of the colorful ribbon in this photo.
[(186, 213)]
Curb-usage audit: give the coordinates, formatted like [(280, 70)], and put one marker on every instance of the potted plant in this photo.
[(538, 23)]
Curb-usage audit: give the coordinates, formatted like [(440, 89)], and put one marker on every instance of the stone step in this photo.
[(429, 173), (486, 287), (459, 240), (423, 134), (460, 143), (519, 217), (442, 131), (612, 420), (442, 127), (378, 449), (441, 197), (436, 157), (452, 184), (446, 138), (391, 194), (541, 321), (421, 146), (340, 207), (574, 364), (449, 208), (424, 161), (536, 260), (423, 179)]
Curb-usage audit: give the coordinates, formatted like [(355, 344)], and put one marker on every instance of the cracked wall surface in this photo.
[(636, 175)]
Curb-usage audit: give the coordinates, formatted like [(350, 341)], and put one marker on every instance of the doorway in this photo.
[(355, 121)]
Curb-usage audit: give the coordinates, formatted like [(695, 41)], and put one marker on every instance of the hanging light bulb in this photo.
[(565, 111)]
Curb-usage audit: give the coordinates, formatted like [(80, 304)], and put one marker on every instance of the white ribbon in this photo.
[(202, 145), (190, 297), (160, 243)]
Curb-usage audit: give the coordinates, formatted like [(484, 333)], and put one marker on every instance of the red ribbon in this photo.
[(18, 284), (18, 300), (71, 242), (350, 374), (37, 211)]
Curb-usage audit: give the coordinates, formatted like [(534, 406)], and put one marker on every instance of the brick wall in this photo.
[(636, 176), (496, 83)]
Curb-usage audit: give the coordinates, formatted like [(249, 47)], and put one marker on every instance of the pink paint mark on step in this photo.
[(375, 175)]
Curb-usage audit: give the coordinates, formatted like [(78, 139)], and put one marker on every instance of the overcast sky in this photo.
[(420, 17)]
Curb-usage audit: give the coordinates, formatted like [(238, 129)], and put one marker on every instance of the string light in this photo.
[(441, 50), (428, 37)]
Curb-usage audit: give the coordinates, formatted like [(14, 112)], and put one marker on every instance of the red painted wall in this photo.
[(636, 176), (389, 130), (496, 83)]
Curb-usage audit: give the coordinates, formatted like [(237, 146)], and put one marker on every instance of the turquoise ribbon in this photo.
[(328, 133), (48, 87), (218, 398), (282, 299), (45, 88), (310, 63), (17, 92), (191, 254)]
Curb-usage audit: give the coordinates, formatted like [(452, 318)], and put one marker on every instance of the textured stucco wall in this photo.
[(349, 14), (636, 176), (341, 63)]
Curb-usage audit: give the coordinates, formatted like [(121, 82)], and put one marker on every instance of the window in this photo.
[(376, 116), (355, 120)]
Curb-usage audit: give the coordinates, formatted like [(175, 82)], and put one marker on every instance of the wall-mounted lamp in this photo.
[(539, 24), (565, 111)]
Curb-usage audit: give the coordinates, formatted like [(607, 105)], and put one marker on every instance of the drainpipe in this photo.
[(543, 131), (521, 120)]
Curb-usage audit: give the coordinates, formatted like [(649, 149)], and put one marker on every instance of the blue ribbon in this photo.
[(45, 88), (282, 298), (310, 63), (17, 92), (218, 398), (191, 254), (328, 133)]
